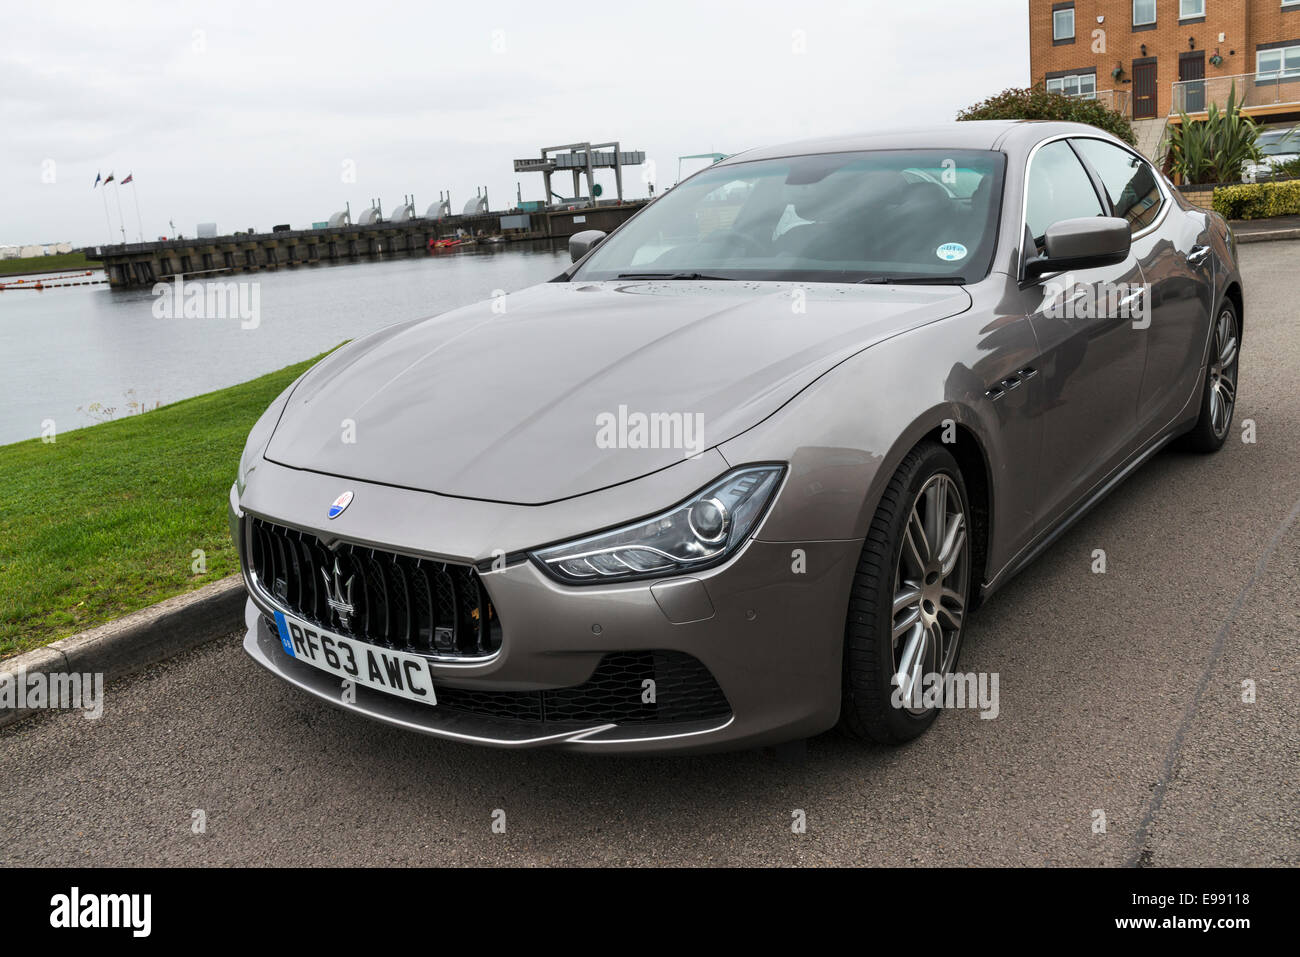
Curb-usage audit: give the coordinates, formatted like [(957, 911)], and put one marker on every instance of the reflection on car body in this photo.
[(914, 358)]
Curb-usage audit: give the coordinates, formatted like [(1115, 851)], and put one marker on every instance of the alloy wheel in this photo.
[(1223, 373), (930, 585)]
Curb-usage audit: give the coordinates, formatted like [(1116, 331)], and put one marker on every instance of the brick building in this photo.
[(1151, 59)]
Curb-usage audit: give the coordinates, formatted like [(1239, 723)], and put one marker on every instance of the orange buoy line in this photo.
[(47, 284)]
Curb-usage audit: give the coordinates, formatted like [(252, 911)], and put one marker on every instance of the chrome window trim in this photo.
[(1023, 257)]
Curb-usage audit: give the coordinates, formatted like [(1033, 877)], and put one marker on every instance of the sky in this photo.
[(252, 114)]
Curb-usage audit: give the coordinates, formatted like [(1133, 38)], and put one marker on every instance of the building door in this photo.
[(1144, 89), (1191, 82)]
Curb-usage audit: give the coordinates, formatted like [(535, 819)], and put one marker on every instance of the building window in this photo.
[(1144, 12), (1082, 85), (1063, 24), (1187, 9), (1280, 63)]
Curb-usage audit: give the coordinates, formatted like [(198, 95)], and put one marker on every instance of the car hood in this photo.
[(547, 393)]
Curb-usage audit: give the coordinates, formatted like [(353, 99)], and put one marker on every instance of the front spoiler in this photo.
[(264, 647)]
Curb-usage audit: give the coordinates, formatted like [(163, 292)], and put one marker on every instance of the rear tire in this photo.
[(1219, 394), (909, 599)]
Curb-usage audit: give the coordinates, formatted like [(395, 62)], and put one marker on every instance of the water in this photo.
[(63, 349)]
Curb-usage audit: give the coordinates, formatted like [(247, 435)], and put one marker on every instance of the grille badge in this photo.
[(340, 503), (338, 594)]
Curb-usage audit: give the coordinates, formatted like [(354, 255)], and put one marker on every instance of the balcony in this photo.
[(1260, 94), (1117, 100)]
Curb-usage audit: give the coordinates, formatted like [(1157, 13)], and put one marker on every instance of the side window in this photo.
[(1059, 188), (1130, 182)]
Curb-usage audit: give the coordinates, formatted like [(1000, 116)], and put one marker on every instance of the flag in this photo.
[(97, 179), (127, 180), (109, 180)]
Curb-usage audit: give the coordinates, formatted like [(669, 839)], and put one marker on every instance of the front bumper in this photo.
[(768, 626)]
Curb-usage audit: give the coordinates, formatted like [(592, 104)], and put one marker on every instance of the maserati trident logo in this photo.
[(340, 503), (338, 593)]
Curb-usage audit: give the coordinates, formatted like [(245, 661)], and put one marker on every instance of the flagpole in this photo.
[(107, 219), (118, 193), (135, 195)]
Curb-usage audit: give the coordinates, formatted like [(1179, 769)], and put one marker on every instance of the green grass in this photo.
[(105, 520), (47, 263)]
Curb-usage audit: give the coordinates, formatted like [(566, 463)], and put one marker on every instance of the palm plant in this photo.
[(1216, 149)]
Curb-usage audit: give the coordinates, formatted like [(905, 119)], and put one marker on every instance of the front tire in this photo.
[(1219, 397), (909, 599)]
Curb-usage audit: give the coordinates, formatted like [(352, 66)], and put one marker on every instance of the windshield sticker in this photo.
[(951, 252)]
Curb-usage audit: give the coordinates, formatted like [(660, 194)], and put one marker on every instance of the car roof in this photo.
[(1007, 135)]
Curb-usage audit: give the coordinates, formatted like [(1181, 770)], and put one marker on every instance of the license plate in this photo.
[(393, 672)]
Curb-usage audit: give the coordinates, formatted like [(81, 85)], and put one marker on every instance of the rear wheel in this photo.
[(909, 599), (1219, 400)]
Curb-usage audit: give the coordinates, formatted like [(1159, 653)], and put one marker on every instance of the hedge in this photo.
[(1258, 200), (1035, 103)]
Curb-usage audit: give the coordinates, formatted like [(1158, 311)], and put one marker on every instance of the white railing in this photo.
[(1253, 90), (1117, 100)]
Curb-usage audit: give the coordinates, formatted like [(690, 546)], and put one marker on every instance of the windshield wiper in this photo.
[(914, 281), (670, 275)]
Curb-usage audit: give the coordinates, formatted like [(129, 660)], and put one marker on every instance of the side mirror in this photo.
[(582, 243), (1082, 244)]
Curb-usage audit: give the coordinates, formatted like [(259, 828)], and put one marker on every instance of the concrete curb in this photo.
[(1269, 235), (140, 639)]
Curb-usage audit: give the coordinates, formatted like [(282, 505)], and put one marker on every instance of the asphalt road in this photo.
[(1121, 693)]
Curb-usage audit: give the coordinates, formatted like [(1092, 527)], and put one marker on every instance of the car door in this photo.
[(1090, 356), (1172, 245)]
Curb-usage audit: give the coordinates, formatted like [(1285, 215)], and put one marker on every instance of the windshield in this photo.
[(1280, 142), (919, 215)]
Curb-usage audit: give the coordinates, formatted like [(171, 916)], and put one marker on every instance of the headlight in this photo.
[(701, 531)]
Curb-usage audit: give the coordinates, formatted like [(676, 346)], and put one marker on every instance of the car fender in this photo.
[(841, 461)]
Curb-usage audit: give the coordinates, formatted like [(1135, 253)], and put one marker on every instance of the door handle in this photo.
[(1198, 255)]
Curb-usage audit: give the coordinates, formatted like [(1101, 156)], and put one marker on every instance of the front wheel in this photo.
[(909, 599), (1219, 398)]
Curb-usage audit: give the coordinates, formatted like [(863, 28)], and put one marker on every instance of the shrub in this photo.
[(1035, 103), (1258, 200), (1215, 150)]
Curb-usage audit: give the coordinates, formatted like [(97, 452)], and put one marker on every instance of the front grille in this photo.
[(396, 601), (617, 692)]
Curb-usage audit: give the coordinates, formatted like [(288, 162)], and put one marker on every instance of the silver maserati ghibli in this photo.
[(743, 471)]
